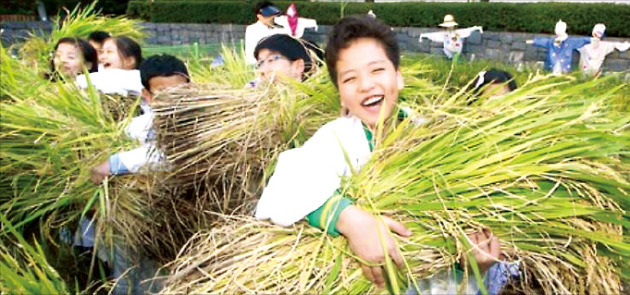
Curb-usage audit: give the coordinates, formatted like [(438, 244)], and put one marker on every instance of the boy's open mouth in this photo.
[(373, 101)]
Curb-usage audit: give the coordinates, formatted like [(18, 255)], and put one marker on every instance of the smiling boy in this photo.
[(363, 60)]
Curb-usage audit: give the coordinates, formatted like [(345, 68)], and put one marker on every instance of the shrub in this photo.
[(513, 17)]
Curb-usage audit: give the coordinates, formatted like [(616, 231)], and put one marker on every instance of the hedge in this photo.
[(512, 17)]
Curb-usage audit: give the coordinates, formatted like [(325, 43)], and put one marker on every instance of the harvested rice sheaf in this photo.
[(545, 168), (218, 141)]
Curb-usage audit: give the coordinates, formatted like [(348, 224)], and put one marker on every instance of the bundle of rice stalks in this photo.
[(542, 167), (49, 141), (219, 140), (80, 22), (151, 215)]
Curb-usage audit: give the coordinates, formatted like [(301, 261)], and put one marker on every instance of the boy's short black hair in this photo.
[(493, 76), (163, 65), (98, 36), (291, 48), (351, 28), (128, 47)]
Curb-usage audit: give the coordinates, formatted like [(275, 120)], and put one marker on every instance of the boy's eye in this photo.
[(348, 79), (378, 70)]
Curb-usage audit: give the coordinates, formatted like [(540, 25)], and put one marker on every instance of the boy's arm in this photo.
[(112, 166)]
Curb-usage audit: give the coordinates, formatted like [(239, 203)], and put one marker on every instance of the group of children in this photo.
[(363, 61), (114, 65)]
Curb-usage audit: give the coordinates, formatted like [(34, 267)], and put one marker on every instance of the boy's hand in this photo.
[(486, 248), (364, 232), (100, 172)]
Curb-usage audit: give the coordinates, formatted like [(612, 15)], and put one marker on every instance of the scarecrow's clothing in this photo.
[(253, 34), (592, 55), (306, 177), (302, 24), (114, 81), (453, 40), (141, 129), (559, 58)]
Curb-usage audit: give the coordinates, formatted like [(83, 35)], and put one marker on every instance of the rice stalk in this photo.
[(24, 267)]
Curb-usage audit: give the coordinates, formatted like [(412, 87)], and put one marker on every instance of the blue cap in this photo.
[(269, 10)]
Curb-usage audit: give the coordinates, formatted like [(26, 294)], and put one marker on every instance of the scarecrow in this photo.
[(453, 39), (592, 55), (559, 49)]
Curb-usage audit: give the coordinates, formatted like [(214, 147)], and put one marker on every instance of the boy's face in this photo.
[(160, 83), (496, 89), (272, 64), (97, 46), (367, 80)]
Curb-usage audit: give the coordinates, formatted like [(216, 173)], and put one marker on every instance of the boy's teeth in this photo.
[(372, 100)]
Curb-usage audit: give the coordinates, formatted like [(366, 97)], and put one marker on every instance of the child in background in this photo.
[(121, 53), (158, 73), (263, 27), (494, 83), (96, 39), (281, 56), (120, 59), (363, 60), (71, 57)]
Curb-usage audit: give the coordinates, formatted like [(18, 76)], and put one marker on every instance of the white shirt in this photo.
[(114, 81), (305, 177), (253, 34)]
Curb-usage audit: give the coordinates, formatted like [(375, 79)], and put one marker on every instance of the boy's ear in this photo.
[(298, 67), (401, 81), (148, 97)]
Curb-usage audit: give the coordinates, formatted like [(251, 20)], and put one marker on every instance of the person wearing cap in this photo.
[(280, 57), (592, 55), (263, 27), (452, 39), (560, 48)]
